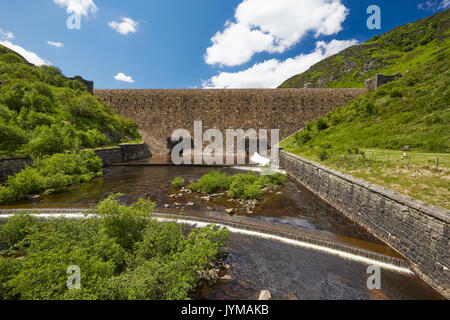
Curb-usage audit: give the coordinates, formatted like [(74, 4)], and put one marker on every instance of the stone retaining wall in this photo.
[(11, 166), (122, 153), (417, 230)]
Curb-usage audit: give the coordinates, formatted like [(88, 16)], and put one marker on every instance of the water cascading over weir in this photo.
[(160, 112)]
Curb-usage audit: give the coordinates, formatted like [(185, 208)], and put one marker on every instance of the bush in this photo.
[(46, 141), (241, 186), (11, 58), (237, 189), (303, 137), (12, 138), (124, 224), (321, 124), (213, 182), (396, 93), (178, 182), (323, 155), (51, 174), (252, 191)]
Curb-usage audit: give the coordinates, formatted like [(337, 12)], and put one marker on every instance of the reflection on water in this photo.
[(294, 273)]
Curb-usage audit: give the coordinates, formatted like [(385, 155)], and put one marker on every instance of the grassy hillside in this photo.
[(399, 50), (42, 112), (412, 113)]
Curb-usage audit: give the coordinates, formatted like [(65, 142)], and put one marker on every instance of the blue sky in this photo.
[(186, 44)]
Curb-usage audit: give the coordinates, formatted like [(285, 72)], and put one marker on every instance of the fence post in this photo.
[(437, 163)]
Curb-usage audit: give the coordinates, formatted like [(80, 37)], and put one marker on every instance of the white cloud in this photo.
[(271, 73), (78, 7), (122, 77), (273, 26), (126, 26), (55, 44), (6, 34), (434, 5), (28, 55)]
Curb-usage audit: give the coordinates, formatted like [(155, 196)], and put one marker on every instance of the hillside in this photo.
[(42, 112), (408, 118), (398, 50)]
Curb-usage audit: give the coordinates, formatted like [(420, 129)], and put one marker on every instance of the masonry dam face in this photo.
[(160, 112)]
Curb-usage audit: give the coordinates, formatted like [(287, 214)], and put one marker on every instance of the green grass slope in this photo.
[(411, 113), (398, 50), (42, 112)]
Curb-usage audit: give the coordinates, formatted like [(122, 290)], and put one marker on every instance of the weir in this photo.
[(299, 239)]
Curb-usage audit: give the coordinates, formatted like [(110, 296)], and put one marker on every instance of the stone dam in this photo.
[(160, 112)]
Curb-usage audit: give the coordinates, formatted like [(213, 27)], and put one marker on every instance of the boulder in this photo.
[(265, 295)]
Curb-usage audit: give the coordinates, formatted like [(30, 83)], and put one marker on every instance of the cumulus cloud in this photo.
[(78, 7), (434, 5), (55, 44), (28, 55), (6, 34), (126, 26), (122, 77), (273, 26), (271, 73)]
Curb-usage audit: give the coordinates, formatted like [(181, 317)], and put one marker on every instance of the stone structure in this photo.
[(87, 83), (420, 232), (160, 112), (380, 79), (11, 166), (122, 153)]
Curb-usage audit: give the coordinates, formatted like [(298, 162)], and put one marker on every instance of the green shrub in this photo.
[(178, 182), (323, 155), (11, 58), (321, 124), (396, 93), (16, 229), (252, 191), (12, 138), (241, 186), (303, 137), (125, 224), (237, 189), (212, 182)]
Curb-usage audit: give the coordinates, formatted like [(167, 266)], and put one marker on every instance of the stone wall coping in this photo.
[(429, 209)]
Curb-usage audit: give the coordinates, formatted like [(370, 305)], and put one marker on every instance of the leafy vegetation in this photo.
[(241, 186), (51, 174), (121, 256), (399, 50), (178, 182), (42, 112)]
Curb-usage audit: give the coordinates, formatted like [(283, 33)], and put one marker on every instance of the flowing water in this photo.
[(256, 264)]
